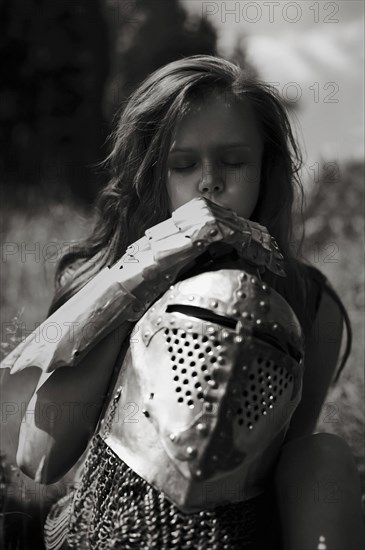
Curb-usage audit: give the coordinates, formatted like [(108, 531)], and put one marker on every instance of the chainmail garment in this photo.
[(113, 508)]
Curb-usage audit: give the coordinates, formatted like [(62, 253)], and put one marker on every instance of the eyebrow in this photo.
[(222, 147)]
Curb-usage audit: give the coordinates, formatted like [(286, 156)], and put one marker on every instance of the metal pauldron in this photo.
[(205, 395)]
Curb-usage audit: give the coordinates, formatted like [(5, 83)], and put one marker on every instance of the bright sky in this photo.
[(312, 49)]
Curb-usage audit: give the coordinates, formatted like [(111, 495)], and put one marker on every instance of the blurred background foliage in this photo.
[(69, 69)]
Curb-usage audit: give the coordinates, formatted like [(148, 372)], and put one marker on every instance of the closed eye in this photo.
[(183, 168), (193, 166)]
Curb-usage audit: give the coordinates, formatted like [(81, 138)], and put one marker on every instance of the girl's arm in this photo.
[(63, 413), (119, 295), (321, 357)]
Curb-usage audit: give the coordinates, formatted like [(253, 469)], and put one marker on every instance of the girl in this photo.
[(198, 127)]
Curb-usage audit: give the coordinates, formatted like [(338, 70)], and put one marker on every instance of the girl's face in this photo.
[(216, 153)]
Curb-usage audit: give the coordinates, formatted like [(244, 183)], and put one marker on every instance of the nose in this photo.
[(211, 180)]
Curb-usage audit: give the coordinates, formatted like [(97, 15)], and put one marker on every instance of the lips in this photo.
[(218, 203)]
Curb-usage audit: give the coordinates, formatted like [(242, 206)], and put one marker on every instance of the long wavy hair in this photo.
[(136, 196)]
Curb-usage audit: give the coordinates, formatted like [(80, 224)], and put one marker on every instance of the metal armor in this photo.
[(119, 295), (204, 397)]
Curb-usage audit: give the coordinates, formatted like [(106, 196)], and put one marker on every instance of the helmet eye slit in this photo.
[(203, 314)]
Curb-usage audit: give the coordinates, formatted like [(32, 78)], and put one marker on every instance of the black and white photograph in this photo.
[(182, 275)]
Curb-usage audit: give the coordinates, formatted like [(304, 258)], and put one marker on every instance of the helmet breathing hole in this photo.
[(186, 355)]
